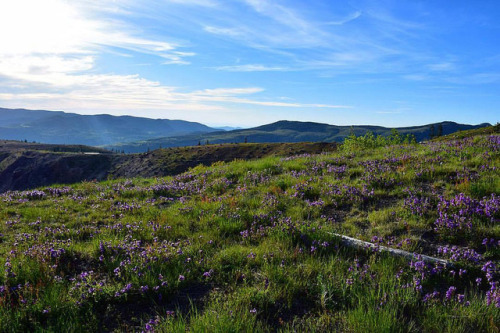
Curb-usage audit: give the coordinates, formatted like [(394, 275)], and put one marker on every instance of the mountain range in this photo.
[(289, 131), (95, 130), (135, 134)]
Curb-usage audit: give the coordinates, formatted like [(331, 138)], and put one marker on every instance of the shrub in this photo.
[(370, 141)]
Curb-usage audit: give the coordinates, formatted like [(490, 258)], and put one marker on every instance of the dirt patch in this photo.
[(336, 214), (127, 316), (383, 202)]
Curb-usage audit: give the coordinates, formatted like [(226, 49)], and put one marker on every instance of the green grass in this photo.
[(248, 246)]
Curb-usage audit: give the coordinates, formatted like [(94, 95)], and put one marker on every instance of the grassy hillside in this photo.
[(172, 161), (250, 246), (288, 131), (28, 165), (18, 146), (489, 130)]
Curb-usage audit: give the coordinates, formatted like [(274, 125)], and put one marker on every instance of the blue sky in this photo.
[(251, 62)]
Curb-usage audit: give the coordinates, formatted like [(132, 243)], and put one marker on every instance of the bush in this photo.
[(370, 141)]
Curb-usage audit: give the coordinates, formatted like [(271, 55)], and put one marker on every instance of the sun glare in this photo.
[(42, 27)]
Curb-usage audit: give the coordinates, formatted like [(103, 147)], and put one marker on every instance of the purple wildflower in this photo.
[(450, 292)]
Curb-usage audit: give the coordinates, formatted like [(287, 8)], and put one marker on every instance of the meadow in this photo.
[(252, 246)]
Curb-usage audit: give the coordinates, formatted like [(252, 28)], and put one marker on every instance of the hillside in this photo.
[(18, 146), (94, 130), (288, 131), (490, 130), (254, 246), (28, 165)]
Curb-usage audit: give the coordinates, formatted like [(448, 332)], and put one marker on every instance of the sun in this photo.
[(32, 27)]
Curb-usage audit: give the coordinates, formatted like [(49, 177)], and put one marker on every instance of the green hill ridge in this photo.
[(289, 131)]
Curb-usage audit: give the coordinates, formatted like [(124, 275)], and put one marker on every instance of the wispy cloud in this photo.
[(177, 57), (126, 92), (282, 14), (442, 67), (291, 29), (394, 25), (224, 92), (303, 39), (233, 32), (203, 3), (388, 112), (346, 19), (416, 77), (473, 79), (54, 27), (252, 68)]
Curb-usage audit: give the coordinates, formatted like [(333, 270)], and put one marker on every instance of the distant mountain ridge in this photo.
[(227, 128), (69, 128), (135, 134), (290, 131)]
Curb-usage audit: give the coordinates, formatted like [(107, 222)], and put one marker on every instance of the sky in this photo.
[(251, 62)]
